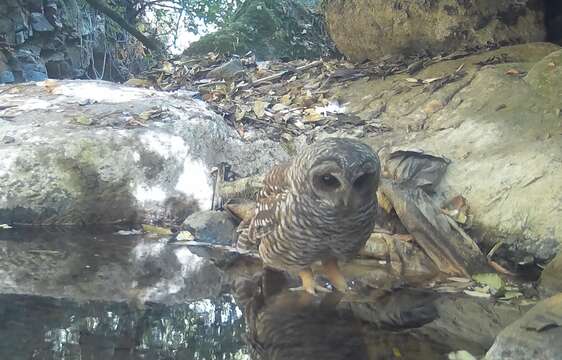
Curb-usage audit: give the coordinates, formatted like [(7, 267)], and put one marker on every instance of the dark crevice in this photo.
[(553, 20)]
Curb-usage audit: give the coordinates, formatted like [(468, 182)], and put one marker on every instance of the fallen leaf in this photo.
[(311, 115), (156, 230), (185, 236), (82, 120), (513, 72), (259, 108), (286, 99), (413, 80), (492, 280), (433, 106), (477, 294), (137, 83)]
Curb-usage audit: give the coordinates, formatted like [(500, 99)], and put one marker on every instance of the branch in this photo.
[(149, 43)]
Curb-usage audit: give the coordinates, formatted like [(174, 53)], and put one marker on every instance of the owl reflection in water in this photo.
[(320, 207)]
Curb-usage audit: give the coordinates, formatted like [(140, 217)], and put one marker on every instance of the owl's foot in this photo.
[(315, 289), (333, 273), (308, 283)]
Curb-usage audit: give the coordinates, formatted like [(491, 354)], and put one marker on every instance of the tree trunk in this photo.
[(149, 43)]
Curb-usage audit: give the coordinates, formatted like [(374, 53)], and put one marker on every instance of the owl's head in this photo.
[(342, 173)]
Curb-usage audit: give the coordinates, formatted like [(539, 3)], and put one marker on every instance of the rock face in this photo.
[(372, 29), (535, 336), (83, 152), (499, 125), (39, 39)]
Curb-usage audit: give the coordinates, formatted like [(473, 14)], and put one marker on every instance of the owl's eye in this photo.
[(329, 181), (363, 180)]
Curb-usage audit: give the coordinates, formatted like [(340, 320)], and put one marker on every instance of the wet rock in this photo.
[(381, 27), (214, 227), (40, 23), (535, 336), (97, 152), (551, 277)]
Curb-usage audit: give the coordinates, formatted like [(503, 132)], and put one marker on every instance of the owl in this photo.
[(319, 207)]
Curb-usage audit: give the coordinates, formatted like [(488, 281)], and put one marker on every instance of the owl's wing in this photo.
[(270, 196)]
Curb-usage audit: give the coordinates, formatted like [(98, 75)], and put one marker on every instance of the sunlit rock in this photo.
[(84, 152)]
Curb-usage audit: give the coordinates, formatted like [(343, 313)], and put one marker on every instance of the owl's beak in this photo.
[(345, 196)]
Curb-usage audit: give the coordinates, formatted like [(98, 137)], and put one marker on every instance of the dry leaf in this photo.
[(286, 99), (259, 108), (50, 85), (143, 83), (82, 120), (384, 202), (433, 106), (311, 115)]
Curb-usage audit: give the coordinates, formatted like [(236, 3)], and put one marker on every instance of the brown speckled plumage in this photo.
[(319, 206)]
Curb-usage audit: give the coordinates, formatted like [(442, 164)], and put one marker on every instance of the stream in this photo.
[(94, 294)]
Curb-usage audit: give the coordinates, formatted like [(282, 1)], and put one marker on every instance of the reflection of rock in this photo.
[(82, 155), (83, 265), (537, 335), (213, 227), (382, 27)]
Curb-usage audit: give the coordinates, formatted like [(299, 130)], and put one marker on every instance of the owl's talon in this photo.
[(313, 291), (333, 272), (308, 283)]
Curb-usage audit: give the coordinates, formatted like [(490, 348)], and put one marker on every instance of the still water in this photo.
[(34, 327), (94, 294)]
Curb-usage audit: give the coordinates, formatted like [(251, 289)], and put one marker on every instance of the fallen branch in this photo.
[(279, 75)]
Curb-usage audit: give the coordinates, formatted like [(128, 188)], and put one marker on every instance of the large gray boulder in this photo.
[(83, 152), (382, 27)]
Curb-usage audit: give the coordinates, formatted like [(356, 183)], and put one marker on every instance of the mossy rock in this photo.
[(270, 29)]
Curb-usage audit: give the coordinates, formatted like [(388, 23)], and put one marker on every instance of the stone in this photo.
[(536, 335), (34, 72), (117, 168), (7, 77), (215, 227), (40, 23), (544, 77), (227, 71), (551, 277), (501, 133), (381, 27)]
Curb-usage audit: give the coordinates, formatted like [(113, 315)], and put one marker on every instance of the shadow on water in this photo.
[(78, 294)]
